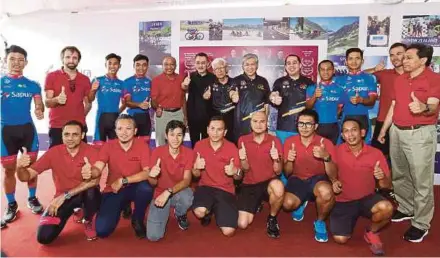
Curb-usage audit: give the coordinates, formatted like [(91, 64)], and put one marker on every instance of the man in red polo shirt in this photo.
[(360, 168), (413, 139), (71, 169), (386, 78), (171, 164), (68, 95), (261, 159), (128, 181), (217, 164), (308, 162), (168, 98)]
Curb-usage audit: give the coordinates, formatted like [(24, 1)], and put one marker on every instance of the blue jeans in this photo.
[(112, 204)]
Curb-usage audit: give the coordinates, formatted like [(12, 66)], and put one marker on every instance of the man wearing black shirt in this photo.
[(198, 109), (251, 93), (218, 93)]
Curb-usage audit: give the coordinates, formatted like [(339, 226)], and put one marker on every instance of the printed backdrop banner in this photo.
[(423, 29)]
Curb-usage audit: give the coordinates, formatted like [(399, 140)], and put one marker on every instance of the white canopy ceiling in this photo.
[(21, 7)]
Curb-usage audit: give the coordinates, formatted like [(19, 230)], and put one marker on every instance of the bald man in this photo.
[(261, 160), (168, 98)]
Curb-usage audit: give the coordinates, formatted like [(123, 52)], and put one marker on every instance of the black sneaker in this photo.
[(35, 205), (415, 235), (399, 216), (126, 212), (139, 228), (273, 229), (11, 212), (3, 225), (205, 221), (182, 221)]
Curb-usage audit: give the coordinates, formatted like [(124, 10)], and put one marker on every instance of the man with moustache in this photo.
[(251, 93), (413, 116), (137, 90), (168, 98), (327, 99), (360, 89), (199, 109), (218, 94), (17, 127), (68, 95), (261, 159), (108, 89)]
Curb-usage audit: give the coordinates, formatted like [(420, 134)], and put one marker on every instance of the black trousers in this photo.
[(50, 227), (198, 129), (385, 148)]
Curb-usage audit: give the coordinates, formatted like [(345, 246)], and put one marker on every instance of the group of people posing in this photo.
[(324, 149)]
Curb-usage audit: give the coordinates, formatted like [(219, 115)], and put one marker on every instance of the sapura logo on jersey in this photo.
[(14, 94), (331, 99), (359, 89), (139, 89), (110, 89)]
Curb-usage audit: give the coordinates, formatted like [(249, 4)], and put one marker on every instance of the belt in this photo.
[(171, 109), (411, 127)]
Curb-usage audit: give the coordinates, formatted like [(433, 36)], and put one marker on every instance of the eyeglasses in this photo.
[(220, 68), (72, 85), (307, 125)]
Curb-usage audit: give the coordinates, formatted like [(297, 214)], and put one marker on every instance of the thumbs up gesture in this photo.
[(186, 81), (62, 98), (229, 168), (291, 156), (320, 151), (318, 91), (233, 94), (275, 98), (207, 94), (378, 172), (200, 162), (86, 170), (95, 85), (356, 99), (242, 152), (416, 106), (380, 66), (25, 159), (274, 152), (155, 170)]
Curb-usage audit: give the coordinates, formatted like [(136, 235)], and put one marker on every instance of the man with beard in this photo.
[(218, 93), (108, 89), (168, 98), (199, 109), (128, 161), (413, 116), (137, 97), (68, 95), (251, 93), (17, 127), (360, 89), (261, 159), (70, 165)]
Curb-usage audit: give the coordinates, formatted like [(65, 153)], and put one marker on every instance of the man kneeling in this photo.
[(171, 164), (260, 157)]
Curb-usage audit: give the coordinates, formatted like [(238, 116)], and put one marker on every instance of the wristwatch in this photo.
[(67, 195), (170, 190), (124, 181), (238, 172), (426, 109), (328, 159)]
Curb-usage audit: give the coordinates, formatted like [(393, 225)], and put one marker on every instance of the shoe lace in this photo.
[(273, 224), (320, 226), (34, 201)]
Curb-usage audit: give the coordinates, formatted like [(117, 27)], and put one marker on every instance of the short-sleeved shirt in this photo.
[(17, 93), (259, 159), (215, 161), (327, 105), (293, 93), (66, 170), (424, 86), (306, 165), (386, 80), (357, 173), (364, 84), (123, 163), (199, 108), (139, 89), (167, 91), (171, 169), (109, 94), (221, 102), (74, 107), (253, 95)]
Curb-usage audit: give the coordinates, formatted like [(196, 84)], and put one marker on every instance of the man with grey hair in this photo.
[(251, 93), (218, 93)]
